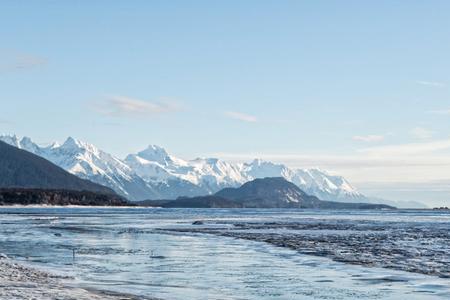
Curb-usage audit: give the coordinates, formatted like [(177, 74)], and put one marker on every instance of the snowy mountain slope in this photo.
[(21, 169), (208, 175), (211, 174), (313, 181), (88, 162), (155, 174)]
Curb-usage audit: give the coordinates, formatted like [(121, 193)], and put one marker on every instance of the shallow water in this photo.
[(129, 250)]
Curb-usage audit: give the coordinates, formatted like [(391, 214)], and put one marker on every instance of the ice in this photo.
[(235, 254)]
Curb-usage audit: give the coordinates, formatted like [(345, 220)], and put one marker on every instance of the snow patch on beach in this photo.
[(19, 282)]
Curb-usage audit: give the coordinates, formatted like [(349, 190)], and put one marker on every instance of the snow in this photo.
[(19, 282), (11, 140), (82, 159), (214, 174), (153, 170)]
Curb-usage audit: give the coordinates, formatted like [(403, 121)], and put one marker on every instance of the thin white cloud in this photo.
[(130, 107), (415, 164), (241, 116), (440, 112), (362, 167), (408, 149), (10, 61), (368, 138), (28, 61), (337, 162), (421, 133), (431, 83)]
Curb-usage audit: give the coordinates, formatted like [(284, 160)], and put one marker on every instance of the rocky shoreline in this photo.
[(19, 282)]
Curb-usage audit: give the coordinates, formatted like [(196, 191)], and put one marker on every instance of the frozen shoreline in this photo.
[(21, 282), (412, 247), (253, 255)]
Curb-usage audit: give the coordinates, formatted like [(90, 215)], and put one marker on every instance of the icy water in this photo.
[(159, 253)]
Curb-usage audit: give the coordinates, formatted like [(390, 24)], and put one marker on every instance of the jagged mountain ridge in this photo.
[(22, 169), (211, 174), (155, 174), (88, 162)]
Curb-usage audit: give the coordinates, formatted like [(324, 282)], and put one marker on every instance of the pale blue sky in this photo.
[(308, 83)]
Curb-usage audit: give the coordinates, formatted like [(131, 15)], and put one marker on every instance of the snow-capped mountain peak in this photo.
[(158, 154), (12, 140), (259, 168), (27, 144), (87, 161), (155, 174), (72, 144), (154, 153)]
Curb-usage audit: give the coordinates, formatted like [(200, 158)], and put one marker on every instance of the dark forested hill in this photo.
[(277, 192), (58, 197), (22, 169), (269, 192)]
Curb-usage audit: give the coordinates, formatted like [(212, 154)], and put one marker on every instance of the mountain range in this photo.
[(155, 174), (269, 192), (22, 169)]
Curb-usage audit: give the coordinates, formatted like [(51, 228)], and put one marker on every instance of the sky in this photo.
[(360, 88)]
